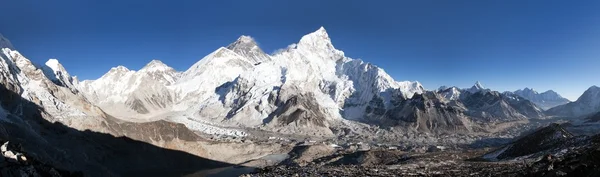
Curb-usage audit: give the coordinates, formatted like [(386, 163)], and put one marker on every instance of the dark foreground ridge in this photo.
[(53, 149)]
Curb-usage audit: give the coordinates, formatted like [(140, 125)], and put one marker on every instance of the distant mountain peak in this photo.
[(590, 94), (545, 100), (478, 85), (55, 71), (55, 65), (156, 65), (319, 38), (529, 89), (247, 47), (119, 68), (443, 87), (318, 43), (526, 91), (242, 42)]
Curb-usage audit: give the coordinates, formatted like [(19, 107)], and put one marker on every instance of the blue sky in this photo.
[(506, 45)]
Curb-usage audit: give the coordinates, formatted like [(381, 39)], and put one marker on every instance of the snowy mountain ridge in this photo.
[(545, 100), (240, 85), (308, 88)]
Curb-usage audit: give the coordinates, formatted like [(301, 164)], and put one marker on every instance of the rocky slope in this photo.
[(485, 105), (549, 151), (14, 162), (133, 94), (308, 88), (545, 100), (587, 103), (546, 138), (301, 89), (42, 110)]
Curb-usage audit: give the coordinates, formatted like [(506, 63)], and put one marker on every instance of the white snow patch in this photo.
[(54, 65)]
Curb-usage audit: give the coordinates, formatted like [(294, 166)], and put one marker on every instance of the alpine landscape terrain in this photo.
[(307, 109)]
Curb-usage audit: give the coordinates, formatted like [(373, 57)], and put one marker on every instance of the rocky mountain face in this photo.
[(485, 105), (593, 117), (300, 89), (545, 138), (494, 106), (133, 94), (545, 100), (307, 88), (44, 112), (587, 103)]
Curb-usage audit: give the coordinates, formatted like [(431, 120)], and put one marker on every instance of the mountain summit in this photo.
[(247, 47), (587, 103), (545, 100), (156, 65), (476, 88)]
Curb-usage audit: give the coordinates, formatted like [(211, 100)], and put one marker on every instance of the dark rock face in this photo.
[(543, 139), (594, 117), (15, 163), (429, 113), (300, 109), (494, 106), (156, 131)]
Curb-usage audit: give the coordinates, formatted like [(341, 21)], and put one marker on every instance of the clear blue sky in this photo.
[(506, 45)]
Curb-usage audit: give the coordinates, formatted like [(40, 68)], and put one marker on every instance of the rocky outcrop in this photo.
[(550, 137), (15, 162)]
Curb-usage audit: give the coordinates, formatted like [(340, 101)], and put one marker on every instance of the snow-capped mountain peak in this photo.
[(545, 100), (317, 38), (156, 65), (319, 43), (246, 46), (116, 72), (478, 85), (56, 67), (476, 88), (590, 95), (57, 73), (119, 68), (452, 93), (242, 40), (529, 90)]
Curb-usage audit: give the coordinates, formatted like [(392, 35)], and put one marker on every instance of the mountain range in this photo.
[(308, 88), (545, 100)]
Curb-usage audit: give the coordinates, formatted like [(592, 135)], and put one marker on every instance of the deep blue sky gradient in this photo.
[(506, 45)]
